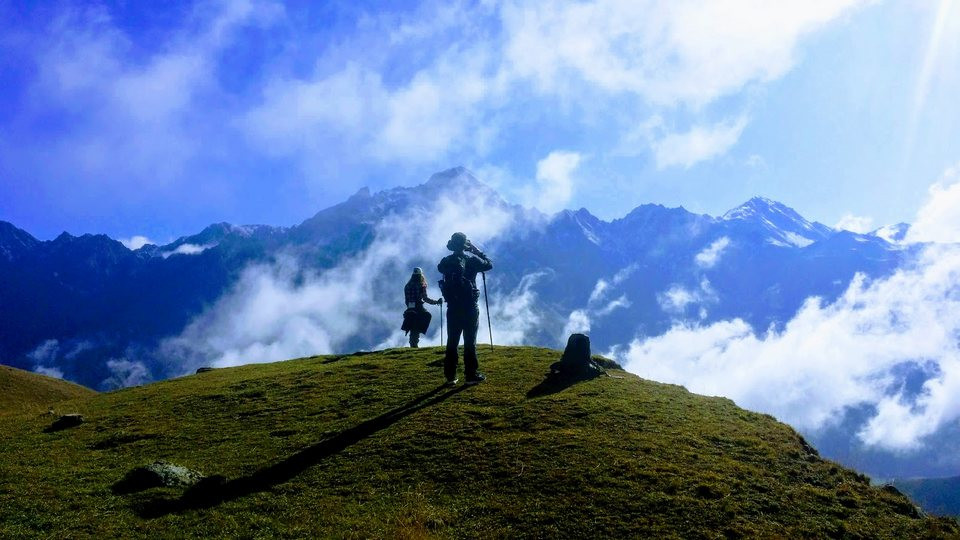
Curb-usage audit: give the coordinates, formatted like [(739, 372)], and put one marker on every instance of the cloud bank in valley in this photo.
[(284, 310), (831, 358)]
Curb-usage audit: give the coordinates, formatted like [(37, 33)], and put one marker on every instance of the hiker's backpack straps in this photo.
[(455, 286)]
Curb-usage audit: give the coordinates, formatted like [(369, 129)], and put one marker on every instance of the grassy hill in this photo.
[(938, 495), (372, 446), (22, 391)]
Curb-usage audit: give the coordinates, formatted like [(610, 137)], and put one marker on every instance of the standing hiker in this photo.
[(416, 319), (459, 288)]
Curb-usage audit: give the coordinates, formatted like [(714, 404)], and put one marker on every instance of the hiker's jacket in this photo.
[(415, 294), (472, 264)]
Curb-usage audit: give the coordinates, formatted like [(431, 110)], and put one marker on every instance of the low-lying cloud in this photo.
[(710, 256), (285, 309), (187, 249), (599, 304), (834, 358)]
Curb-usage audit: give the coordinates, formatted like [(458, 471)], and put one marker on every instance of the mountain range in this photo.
[(88, 309)]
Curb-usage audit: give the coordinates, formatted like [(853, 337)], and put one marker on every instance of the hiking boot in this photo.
[(476, 379), (451, 382)]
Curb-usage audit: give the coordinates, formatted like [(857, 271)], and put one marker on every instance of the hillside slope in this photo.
[(22, 391), (937, 495), (370, 445)]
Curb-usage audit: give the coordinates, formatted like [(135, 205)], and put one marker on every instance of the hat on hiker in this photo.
[(457, 242), (417, 271)]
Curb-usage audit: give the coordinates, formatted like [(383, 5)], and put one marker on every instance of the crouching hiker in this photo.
[(459, 288), (416, 319)]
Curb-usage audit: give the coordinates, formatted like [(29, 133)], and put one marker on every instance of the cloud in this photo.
[(678, 298), (687, 52), (49, 371), (581, 320), (939, 219), (135, 242), (284, 310), (44, 357), (603, 286), (831, 358), (710, 256), (578, 322), (125, 373), (187, 249), (439, 109), (555, 181), (46, 351), (143, 109), (700, 143), (461, 84), (438, 82), (857, 224)]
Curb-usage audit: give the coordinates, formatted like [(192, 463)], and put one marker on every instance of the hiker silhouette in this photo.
[(459, 289), (416, 319)]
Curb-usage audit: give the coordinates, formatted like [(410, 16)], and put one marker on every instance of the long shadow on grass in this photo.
[(215, 490), (554, 383)]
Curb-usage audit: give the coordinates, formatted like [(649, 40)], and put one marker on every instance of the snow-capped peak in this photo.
[(781, 224)]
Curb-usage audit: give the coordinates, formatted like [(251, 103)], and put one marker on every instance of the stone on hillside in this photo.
[(157, 474), (64, 422), (204, 369)]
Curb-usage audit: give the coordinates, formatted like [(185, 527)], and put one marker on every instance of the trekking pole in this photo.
[(486, 302), (441, 322)]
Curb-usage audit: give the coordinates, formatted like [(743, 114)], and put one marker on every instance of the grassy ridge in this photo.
[(372, 446), (22, 391)]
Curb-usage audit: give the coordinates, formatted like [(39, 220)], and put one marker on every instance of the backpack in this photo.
[(576, 361), (455, 287)]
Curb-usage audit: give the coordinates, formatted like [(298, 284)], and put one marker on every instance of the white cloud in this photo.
[(939, 219), (135, 242), (668, 52), (892, 233), (710, 256), (700, 143), (125, 373), (555, 180), (830, 358), (581, 320), (857, 224), (281, 311), (578, 322), (440, 82), (54, 372), (660, 54), (678, 298), (603, 286), (45, 352), (143, 109), (419, 120), (187, 249), (44, 357)]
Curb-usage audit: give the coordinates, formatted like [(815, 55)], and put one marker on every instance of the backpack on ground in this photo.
[(576, 361)]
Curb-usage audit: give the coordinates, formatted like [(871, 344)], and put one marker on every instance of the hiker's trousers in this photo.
[(463, 319)]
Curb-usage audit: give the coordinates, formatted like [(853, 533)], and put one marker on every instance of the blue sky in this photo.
[(130, 118)]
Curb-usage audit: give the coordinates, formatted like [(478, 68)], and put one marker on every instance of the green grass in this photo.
[(372, 446), (22, 391)]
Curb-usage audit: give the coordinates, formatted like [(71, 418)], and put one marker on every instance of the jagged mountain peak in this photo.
[(761, 206), (454, 173), (782, 225)]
